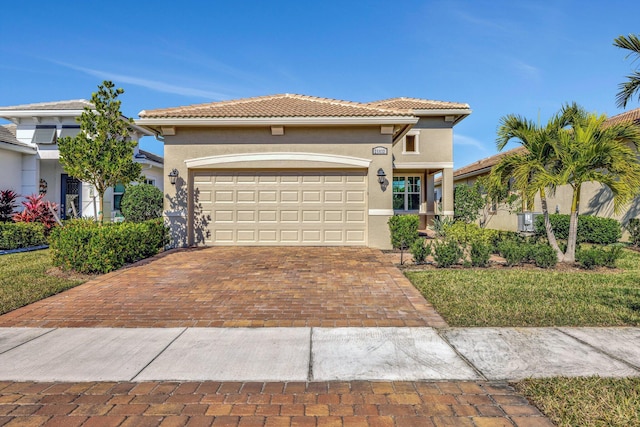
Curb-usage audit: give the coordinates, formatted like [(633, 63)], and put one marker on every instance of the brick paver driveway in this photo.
[(241, 287)]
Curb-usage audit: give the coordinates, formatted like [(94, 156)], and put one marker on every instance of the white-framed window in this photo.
[(150, 182), (406, 193), (411, 143)]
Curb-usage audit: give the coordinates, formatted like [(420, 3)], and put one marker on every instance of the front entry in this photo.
[(70, 198)]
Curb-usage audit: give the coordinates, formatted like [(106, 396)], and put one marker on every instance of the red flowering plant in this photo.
[(37, 210)]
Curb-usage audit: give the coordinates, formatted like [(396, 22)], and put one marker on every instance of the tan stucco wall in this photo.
[(358, 142), (435, 142)]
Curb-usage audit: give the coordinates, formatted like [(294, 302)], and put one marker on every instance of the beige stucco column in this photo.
[(447, 192), (429, 196)]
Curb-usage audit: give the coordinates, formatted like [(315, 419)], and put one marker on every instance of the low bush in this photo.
[(480, 252), (8, 205), (21, 235), (420, 251), (544, 256), (141, 202), (88, 247), (593, 257), (633, 227), (463, 233), (591, 229), (446, 253), (513, 252), (440, 225)]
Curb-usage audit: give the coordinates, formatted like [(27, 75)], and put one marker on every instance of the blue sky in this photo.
[(500, 57)]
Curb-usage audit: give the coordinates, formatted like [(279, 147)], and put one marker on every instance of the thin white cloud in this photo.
[(527, 70), (147, 83), (467, 141)]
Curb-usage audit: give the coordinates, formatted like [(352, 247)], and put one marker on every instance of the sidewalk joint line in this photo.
[(28, 341), (159, 353), (599, 350), (310, 371), (460, 355)]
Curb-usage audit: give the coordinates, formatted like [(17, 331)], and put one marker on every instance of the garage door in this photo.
[(282, 208)]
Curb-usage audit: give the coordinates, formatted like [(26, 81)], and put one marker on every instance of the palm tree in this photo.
[(532, 169), (632, 85), (593, 151)]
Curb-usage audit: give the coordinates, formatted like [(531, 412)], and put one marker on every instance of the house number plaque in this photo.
[(379, 151)]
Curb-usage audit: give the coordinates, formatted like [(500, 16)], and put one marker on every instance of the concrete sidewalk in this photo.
[(315, 354)]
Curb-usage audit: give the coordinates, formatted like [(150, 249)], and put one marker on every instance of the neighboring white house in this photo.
[(30, 160)]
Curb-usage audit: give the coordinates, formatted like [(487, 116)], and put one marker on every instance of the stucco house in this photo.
[(301, 170), (595, 198), (29, 158)]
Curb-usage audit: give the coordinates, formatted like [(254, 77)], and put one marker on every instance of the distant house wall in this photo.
[(11, 167)]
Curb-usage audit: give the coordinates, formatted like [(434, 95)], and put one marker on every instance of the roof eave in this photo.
[(39, 113), (283, 121), (459, 113), (25, 149)]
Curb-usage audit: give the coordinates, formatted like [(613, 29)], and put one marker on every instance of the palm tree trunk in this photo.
[(551, 237), (570, 255)]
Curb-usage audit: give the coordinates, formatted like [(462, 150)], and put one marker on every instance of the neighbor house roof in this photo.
[(418, 104), (9, 141), (142, 154), (76, 104), (284, 105), (627, 116)]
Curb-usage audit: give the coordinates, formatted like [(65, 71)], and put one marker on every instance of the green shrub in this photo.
[(591, 229), (88, 247), (480, 252), (544, 256), (440, 225), (599, 257), (420, 251), (633, 227), (446, 253), (141, 202), (462, 232), (513, 252), (21, 235)]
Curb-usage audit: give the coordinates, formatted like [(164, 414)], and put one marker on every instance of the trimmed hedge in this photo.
[(141, 202), (404, 230), (88, 247), (16, 235), (591, 229)]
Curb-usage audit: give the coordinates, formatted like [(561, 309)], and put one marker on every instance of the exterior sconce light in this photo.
[(173, 175), (381, 176)]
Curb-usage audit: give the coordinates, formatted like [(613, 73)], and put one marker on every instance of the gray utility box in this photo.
[(526, 221)]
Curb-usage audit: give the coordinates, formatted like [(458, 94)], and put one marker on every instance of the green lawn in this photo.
[(24, 279), (586, 401), (535, 297)]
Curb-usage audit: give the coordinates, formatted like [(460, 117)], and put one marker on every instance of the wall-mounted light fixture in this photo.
[(381, 176), (173, 176)]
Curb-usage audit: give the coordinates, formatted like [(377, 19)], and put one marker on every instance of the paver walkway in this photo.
[(241, 287), (320, 404)]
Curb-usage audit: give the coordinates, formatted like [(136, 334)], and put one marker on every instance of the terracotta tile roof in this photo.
[(77, 104), (486, 163), (284, 105), (627, 116), (417, 104)]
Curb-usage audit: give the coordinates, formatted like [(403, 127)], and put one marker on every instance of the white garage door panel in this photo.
[(292, 208)]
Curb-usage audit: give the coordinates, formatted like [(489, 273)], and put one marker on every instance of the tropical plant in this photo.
[(593, 151), (632, 85), (531, 170), (404, 231), (37, 210), (102, 153), (7, 205)]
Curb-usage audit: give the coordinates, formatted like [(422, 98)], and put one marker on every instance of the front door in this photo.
[(71, 197)]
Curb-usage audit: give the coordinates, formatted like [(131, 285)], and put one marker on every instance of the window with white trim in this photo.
[(410, 145), (406, 193), (150, 181)]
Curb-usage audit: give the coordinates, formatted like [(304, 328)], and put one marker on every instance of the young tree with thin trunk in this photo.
[(102, 153)]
